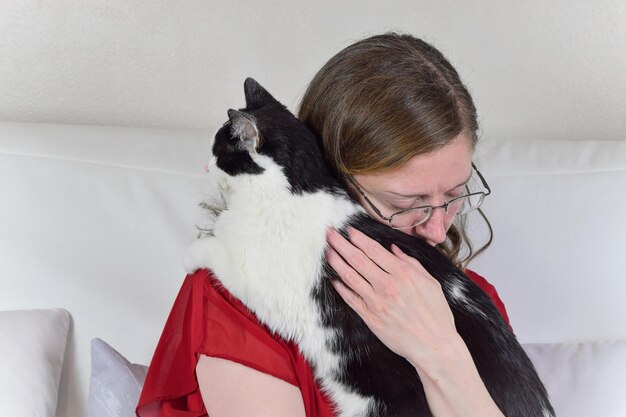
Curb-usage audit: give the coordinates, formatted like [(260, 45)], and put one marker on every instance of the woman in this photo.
[(398, 124)]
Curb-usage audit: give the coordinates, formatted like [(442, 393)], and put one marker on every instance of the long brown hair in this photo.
[(385, 99)]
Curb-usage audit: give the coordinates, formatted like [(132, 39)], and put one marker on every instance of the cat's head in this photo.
[(264, 135)]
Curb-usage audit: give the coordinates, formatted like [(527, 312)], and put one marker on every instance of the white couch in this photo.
[(95, 220)]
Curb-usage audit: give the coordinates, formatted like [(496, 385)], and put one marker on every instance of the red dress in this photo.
[(206, 319)]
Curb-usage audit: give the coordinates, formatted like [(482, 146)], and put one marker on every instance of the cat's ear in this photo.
[(244, 127), (256, 95)]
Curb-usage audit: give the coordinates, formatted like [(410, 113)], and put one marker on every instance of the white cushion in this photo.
[(559, 251), (583, 379), (97, 219), (115, 383), (32, 347)]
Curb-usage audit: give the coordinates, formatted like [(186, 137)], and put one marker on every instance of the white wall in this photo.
[(537, 69)]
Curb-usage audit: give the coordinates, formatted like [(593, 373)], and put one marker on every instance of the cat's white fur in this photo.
[(257, 252)]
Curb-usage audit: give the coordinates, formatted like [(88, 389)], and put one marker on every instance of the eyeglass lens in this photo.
[(416, 216)]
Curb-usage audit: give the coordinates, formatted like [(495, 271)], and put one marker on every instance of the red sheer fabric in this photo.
[(206, 319)]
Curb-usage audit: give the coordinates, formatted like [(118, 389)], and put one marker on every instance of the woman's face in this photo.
[(428, 179)]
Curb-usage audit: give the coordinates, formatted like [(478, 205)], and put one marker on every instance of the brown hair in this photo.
[(385, 99)]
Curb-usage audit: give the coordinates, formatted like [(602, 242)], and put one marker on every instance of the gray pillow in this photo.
[(115, 383)]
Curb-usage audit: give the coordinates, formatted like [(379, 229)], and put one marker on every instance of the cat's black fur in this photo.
[(371, 369)]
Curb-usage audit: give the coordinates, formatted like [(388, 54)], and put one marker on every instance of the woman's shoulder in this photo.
[(207, 320)]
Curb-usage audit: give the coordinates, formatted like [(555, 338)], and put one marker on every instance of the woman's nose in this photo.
[(434, 230)]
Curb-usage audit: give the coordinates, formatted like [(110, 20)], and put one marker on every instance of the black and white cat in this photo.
[(273, 200)]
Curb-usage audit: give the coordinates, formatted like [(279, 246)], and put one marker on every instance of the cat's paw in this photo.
[(206, 253)]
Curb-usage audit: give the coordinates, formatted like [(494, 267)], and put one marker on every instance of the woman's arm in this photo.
[(453, 386), (230, 389), (406, 309)]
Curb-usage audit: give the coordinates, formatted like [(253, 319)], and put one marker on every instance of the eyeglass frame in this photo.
[(432, 208)]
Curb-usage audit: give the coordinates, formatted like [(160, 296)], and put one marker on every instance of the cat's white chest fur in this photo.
[(267, 250)]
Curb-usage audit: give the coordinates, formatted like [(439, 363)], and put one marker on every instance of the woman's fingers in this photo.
[(374, 250), (358, 260), (351, 298), (400, 254), (414, 263), (350, 277)]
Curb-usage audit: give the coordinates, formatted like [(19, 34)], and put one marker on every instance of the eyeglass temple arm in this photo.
[(372, 206), (482, 179)]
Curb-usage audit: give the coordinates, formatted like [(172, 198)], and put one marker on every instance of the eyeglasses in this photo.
[(415, 216)]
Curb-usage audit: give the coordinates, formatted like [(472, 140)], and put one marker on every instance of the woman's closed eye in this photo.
[(450, 196), (404, 205), (419, 201), (457, 192)]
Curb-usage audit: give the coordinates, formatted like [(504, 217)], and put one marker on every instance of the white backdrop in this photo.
[(536, 69)]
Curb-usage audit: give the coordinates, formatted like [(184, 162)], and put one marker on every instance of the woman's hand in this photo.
[(396, 297), (406, 309)]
